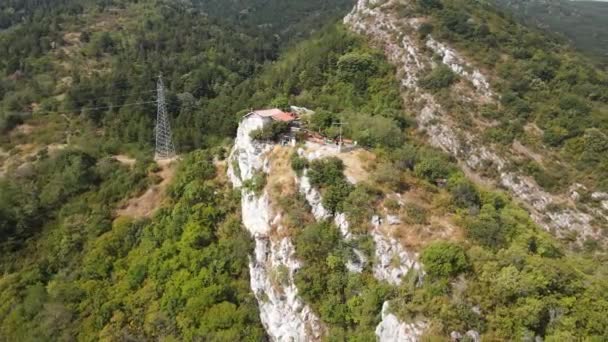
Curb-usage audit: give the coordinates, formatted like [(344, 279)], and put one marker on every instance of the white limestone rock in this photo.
[(284, 315), (455, 336), (356, 264), (452, 59), (575, 191), (341, 222), (393, 261), (393, 220), (378, 20), (598, 196), (391, 329), (473, 335), (313, 197)]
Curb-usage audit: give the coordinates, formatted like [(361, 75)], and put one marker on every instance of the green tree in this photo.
[(438, 78), (444, 259)]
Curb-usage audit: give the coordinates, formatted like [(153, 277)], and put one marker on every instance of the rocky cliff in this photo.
[(412, 55), (284, 314)]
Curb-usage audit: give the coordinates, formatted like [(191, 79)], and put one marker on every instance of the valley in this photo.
[(370, 170)]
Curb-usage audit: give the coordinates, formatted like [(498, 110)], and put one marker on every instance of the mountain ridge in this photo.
[(407, 55), (467, 137)]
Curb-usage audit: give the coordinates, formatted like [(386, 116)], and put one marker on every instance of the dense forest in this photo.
[(81, 75), (581, 22), (123, 46)]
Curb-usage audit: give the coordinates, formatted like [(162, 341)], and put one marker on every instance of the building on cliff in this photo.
[(273, 114)]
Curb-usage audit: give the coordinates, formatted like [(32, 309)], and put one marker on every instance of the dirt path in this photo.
[(126, 160), (357, 162), (518, 147), (146, 204)]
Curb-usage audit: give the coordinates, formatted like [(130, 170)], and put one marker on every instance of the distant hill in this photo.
[(584, 23), (287, 19)]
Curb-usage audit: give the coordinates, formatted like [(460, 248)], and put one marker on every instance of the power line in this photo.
[(123, 95), (82, 109)]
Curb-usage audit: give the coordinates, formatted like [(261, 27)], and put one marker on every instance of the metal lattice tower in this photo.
[(164, 143)]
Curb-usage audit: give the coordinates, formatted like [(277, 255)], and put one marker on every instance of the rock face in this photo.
[(284, 315), (458, 65), (272, 267), (393, 261), (391, 329), (397, 36)]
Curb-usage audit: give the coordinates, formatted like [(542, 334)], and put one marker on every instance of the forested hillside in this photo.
[(581, 22), (524, 111), (77, 87), (96, 59), (413, 244), (181, 275), (498, 273)]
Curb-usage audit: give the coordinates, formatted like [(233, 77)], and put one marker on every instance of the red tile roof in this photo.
[(268, 112), (286, 117), (276, 114)]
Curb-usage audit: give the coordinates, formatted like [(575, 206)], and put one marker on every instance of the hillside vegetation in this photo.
[(505, 277), (581, 22), (98, 61), (77, 82), (180, 276), (540, 82)]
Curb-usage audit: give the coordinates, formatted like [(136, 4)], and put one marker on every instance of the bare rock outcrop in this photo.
[(397, 36), (283, 313)]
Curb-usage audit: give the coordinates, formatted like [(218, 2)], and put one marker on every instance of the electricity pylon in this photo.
[(164, 143)]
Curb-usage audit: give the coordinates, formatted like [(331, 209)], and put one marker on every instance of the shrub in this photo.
[(256, 184), (322, 120), (270, 131), (444, 259), (356, 68), (9, 121), (441, 77), (464, 193), (487, 228), (359, 207), (335, 195), (505, 133), (316, 241), (424, 30), (428, 5), (555, 135), (281, 102), (405, 157), (432, 168), (373, 131), (392, 205), (298, 164), (325, 172), (416, 214), (388, 175)]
